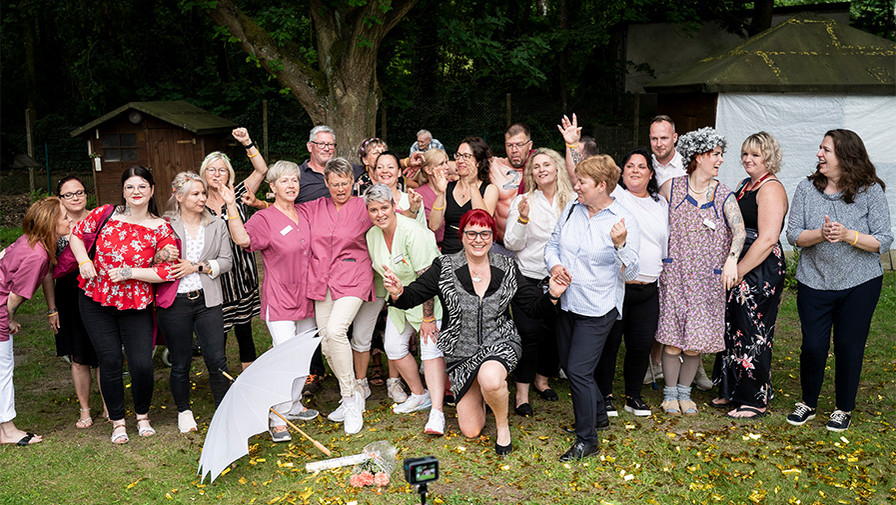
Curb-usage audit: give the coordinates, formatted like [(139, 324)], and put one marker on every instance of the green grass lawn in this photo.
[(705, 459)]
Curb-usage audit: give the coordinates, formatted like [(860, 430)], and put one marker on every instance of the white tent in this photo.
[(796, 81)]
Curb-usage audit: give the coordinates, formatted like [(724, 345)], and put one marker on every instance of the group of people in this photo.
[(503, 268)]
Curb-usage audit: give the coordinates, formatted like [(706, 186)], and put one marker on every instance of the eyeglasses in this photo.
[(142, 188), (325, 145), (484, 235), (221, 170), (69, 196), (517, 146), (465, 156)]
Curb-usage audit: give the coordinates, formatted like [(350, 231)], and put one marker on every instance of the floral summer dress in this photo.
[(692, 296), (745, 364)]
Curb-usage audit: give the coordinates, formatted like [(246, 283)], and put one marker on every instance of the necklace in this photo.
[(476, 277)]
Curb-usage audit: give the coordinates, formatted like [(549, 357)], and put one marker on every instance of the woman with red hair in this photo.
[(477, 337)]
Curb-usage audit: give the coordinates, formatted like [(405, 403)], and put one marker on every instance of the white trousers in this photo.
[(281, 331), (7, 393)]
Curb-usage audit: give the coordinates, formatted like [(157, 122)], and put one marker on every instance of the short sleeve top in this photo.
[(22, 270), (119, 245), (286, 252)]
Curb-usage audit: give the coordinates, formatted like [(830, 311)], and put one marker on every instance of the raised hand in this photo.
[(227, 194), (523, 207), (440, 179), (391, 282), (570, 130), (242, 136), (618, 233), (415, 199)]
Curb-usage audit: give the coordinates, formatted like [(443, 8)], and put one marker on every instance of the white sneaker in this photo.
[(395, 391), (436, 423), (185, 421), (338, 415), (305, 415), (413, 404), (354, 414), (364, 387), (654, 371)]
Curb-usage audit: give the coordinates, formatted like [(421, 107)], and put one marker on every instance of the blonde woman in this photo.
[(532, 218)]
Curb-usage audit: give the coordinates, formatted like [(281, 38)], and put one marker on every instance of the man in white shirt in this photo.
[(667, 162)]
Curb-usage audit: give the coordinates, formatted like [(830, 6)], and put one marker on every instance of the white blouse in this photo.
[(653, 220), (528, 240), (192, 252)]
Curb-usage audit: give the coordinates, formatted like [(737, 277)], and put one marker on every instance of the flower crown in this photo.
[(699, 141)]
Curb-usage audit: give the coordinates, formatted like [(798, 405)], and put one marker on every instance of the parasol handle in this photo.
[(299, 430)]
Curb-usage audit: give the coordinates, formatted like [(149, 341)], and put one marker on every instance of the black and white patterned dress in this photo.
[(476, 330), (240, 285)]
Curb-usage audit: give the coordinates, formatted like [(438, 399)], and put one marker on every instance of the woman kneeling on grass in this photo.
[(23, 267), (478, 338)]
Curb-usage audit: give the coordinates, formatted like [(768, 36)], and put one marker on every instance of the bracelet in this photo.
[(52, 312), (266, 204), (857, 238), (85, 261), (404, 163), (232, 217), (438, 208), (250, 146), (432, 319), (251, 155), (521, 221), (573, 146)]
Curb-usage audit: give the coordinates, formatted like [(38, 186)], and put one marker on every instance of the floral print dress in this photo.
[(745, 365)]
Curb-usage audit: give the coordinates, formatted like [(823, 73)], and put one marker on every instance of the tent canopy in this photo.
[(807, 53)]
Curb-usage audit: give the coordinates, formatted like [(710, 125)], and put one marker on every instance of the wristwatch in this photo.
[(200, 267)]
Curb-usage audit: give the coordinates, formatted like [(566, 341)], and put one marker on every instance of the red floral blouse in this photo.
[(118, 245)]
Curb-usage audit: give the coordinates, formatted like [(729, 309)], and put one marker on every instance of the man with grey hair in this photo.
[(321, 148), (425, 142)]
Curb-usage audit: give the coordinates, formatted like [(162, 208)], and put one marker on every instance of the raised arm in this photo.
[(237, 231), (437, 215), (738, 234), (572, 133), (253, 182)]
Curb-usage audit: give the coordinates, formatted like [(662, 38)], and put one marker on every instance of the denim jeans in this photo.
[(177, 324)]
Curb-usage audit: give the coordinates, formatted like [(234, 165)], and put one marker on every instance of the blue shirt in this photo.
[(433, 144), (583, 245)]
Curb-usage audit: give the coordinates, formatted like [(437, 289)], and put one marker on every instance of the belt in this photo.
[(640, 283), (191, 295)]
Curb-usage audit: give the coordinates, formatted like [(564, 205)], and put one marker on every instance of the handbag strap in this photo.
[(106, 215)]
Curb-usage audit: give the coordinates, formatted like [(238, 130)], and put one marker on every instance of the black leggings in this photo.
[(243, 333), (539, 342), (110, 329), (640, 315)]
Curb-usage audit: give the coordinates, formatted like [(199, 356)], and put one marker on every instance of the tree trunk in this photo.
[(341, 89)]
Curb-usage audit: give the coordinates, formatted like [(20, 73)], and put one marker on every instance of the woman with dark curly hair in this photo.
[(840, 221), (472, 191)]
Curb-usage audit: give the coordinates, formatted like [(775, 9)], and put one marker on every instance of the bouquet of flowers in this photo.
[(375, 470)]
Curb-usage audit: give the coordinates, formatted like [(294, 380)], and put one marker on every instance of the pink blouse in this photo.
[(118, 245), (339, 258), (429, 198), (285, 250), (22, 270)]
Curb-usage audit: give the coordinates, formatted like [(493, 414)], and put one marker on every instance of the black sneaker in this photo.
[(839, 421), (637, 406), (803, 413), (611, 409)]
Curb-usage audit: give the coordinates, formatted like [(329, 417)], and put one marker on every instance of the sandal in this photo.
[(753, 410), (84, 423), (119, 433), (376, 375), (143, 427)]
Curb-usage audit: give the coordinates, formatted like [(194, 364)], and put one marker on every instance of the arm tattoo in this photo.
[(736, 223), (576, 156), (126, 272), (428, 305), (161, 256)]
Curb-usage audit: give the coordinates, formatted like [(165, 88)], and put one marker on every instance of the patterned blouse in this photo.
[(118, 245)]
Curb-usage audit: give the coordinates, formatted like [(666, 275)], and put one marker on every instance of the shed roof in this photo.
[(807, 53), (177, 112)]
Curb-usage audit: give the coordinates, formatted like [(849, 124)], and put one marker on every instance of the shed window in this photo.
[(120, 147)]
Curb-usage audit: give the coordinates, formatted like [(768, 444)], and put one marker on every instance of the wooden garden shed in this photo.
[(166, 137)]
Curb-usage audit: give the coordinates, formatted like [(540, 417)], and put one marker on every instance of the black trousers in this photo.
[(580, 341), (110, 329), (539, 342), (178, 323), (848, 312), (640, 316)]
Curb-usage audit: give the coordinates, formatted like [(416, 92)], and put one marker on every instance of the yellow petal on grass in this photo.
[(243, 480), (757, 495), (791, 470), (168, 496), (132, 484), (843, 439)]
